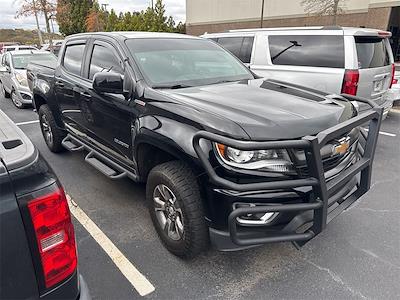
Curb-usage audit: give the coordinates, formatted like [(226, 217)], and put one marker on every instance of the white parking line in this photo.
[(27, 122), (384, 133), (137, 279)]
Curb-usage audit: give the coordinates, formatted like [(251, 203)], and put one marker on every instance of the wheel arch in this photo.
[(150, 152), (40, 99)]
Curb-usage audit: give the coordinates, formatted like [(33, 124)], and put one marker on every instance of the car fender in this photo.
[(168, 135), (44, 94)]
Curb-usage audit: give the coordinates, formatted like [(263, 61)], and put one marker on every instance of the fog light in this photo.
[(254, 219)]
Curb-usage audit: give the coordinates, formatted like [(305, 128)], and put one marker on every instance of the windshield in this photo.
[(175, 62), (20, 61)]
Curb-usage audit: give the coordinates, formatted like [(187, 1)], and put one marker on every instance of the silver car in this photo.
[(356, 61), (394, 92), (13, 80)]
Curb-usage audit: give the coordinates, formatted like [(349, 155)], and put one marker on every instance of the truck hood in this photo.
[(267, 109)]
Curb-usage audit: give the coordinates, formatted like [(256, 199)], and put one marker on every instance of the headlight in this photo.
[(21, 79), (264, 160)]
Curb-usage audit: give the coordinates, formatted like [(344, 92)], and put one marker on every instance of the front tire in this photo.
[(17, 102), (52, 134), (176, 209)]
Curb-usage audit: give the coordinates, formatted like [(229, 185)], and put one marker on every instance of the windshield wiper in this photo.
[(172, 86)]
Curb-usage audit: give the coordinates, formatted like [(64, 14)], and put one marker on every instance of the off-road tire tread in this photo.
[(58, 134), (186, 189)]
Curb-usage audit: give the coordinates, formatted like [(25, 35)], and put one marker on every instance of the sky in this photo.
[(8, 8)]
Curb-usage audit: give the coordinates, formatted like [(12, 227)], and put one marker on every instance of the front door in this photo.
[(108, 116)]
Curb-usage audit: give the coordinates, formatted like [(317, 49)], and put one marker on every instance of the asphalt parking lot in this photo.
[(357, 256)]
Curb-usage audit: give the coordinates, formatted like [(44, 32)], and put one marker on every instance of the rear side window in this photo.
[(73, 58), (371, 52), (241, 47), (309, 50), (103, 60)]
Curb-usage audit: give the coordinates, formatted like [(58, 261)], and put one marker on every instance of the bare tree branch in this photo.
[(325, 8)]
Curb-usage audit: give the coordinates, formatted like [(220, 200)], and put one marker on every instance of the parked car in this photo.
[(394, 92), (37, 241), (55, 48), (227, 157), (13, 74), (17, 48), (355, 61)]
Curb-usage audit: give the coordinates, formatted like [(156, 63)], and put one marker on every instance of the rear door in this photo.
[(314, 58), (374, 61), (68, 82)]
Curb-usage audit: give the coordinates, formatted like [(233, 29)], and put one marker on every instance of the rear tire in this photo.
[(52, 134), (176, 209)]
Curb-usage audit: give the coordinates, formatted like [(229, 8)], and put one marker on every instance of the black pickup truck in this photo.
[(37, 242), (228, 157)]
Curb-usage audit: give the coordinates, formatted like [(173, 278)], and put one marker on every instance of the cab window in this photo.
[(73, 58), (104, 60)]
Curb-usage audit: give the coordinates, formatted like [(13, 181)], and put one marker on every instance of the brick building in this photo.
[(220, 15)]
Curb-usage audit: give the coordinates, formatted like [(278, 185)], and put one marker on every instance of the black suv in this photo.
[(227, 156), (37, 242)]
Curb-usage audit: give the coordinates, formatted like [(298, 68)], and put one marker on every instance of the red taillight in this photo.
[(55, 236), (393, 81), (350, 82)]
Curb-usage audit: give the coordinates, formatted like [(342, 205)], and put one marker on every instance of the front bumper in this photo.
[(23, 93), (304, 217)]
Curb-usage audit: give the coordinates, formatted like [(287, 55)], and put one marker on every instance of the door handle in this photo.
[(59, 83), (86, 96)]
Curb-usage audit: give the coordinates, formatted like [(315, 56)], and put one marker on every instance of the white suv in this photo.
[(356, 61), (17, 48)]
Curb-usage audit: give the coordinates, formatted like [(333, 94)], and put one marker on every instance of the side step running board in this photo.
[(104, 168), (69, 144), (102, 163)]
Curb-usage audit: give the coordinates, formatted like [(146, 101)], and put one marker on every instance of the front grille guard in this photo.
[(322, 190)]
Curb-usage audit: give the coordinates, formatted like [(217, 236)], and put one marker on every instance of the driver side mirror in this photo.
[(108, 83)]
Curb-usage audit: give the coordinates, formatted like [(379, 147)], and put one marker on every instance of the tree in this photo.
[(112, 20), (96, 19), (181, 28), (325, 8), (72, 14), (32, 7)]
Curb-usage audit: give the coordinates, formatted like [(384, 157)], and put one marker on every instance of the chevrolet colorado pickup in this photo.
[(229, 158), (37, 242)]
